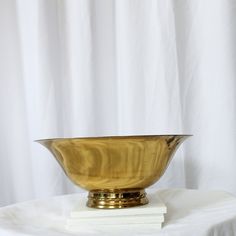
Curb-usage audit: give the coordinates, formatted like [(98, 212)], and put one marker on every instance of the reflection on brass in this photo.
[(116, 198), (117, 169)]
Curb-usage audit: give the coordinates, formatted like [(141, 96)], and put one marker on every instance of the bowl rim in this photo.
[(115, 137)]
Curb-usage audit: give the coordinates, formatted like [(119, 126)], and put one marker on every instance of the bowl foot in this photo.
[(116, 198)]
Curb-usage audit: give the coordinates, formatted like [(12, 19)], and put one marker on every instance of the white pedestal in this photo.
[(150, 214)]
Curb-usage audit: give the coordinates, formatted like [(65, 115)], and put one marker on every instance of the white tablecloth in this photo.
[(190, 213)]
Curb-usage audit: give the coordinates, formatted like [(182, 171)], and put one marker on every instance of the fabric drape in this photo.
[(73, 68)]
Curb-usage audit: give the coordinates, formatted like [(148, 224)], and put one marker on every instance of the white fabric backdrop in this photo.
[(88, 68)]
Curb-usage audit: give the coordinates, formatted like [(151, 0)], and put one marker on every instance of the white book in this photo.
[(122, 220), (75, 228), (155, 207)]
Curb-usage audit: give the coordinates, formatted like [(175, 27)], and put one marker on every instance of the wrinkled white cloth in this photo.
[(189, 213), (72, 68)]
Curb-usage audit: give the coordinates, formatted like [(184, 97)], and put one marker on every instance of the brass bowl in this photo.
[(115, 170)]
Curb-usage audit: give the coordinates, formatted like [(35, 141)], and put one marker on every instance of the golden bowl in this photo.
[(115, 170)]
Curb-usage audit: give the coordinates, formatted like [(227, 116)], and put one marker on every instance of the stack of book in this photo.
[(150, 214)]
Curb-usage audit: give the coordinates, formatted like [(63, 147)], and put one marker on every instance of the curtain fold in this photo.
[(71, 68)]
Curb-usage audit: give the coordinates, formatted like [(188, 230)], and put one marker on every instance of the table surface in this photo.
[(189, 212)]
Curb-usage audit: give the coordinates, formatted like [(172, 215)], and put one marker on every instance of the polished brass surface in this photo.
[(116, 198), (117, 169)]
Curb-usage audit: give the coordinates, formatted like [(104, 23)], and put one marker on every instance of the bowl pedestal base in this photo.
[(116, 198)]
